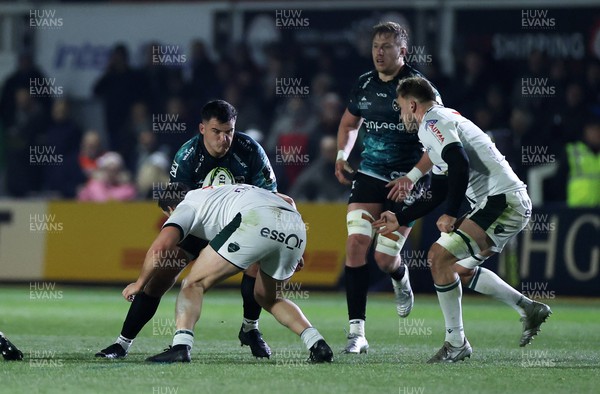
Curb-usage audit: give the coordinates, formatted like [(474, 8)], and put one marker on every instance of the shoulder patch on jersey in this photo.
[(187, 153), (364, 103), (430, 124)]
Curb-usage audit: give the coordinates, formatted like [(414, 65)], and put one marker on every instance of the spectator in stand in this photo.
[(139, 120), (317, 183), (23, 176), (119, 88), (496, 102), (522, 138), (471, 84), (249, 113), (20, 79), (289, 139), (65, 136), (147, 146), (179, 126), (592, 84), (536, 72), (91, 149), (202, 83), (154, 77), (330, 109), (153, 171), (574, 113), (109, 182)]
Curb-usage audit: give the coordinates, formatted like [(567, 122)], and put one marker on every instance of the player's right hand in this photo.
[(386, 224), (341, 168), (401, 188), (131, 290)]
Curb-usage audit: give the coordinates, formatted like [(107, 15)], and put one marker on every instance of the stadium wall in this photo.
[(558, 251), (106, 243)]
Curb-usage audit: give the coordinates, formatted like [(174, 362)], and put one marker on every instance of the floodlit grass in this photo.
[(60, 332)]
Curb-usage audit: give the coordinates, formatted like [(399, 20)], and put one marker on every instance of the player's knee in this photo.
[(357, 244), (359, 223), (263, 299), (465, 274), (388, 247), (436, 257)]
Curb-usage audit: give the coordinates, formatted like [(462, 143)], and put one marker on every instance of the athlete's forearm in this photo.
[(424, 205), (348, 132), (424, 164), (162, 249), (458, 177)]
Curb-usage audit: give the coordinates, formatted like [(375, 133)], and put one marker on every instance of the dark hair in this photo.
[(219, 109), (417, 87), (172, 195), (400, 33)]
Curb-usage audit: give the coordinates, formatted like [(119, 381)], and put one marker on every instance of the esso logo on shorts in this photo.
[(290, 241)]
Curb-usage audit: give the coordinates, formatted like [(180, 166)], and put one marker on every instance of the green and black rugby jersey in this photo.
[(388, 148), (246, 160)]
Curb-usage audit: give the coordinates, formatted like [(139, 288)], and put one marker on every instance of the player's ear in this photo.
[(201, 128), (413, 106)]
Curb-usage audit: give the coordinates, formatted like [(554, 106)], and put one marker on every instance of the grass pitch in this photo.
[(60, 329)]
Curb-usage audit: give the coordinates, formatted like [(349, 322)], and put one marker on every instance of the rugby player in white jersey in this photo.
[(244, 224), (501, 208)]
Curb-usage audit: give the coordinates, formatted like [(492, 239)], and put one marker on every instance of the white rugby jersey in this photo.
[(205, 212), (489, 172)]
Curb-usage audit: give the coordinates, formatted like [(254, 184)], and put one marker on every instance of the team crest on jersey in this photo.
[(233, 247), (364, 103), (395, 106), (436, 132)]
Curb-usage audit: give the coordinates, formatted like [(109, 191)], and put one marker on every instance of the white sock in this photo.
[(249, 325), (487, 282), (310, 336), (449, 297), (183, 337), (357, 327), (124, 342)]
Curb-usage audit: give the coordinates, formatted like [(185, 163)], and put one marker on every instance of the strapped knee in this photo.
[(390, 244), (472, 261), (359, 222), (460, 245)]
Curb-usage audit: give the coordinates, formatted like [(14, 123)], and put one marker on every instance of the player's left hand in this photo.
[(386, 224), (300, 264), (131, 290), (446, 223)]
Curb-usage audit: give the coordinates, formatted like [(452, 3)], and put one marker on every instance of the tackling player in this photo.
[(217, 145), (501, 208), (389, 152), (244, 225)]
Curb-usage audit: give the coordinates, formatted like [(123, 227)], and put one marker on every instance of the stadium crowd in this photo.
[(532, 128)]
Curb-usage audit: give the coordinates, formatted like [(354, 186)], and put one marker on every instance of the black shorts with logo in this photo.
[(369, 190)]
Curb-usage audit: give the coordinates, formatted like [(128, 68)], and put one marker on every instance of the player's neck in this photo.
[(385, 77), (424, 109)]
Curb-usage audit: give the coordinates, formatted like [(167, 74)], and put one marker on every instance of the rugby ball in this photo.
[(218, 176)]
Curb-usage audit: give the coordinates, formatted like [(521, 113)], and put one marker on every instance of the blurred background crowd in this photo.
[(298, 131)]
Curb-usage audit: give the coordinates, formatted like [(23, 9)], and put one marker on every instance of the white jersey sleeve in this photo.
[(183, 218), (489, 172)]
